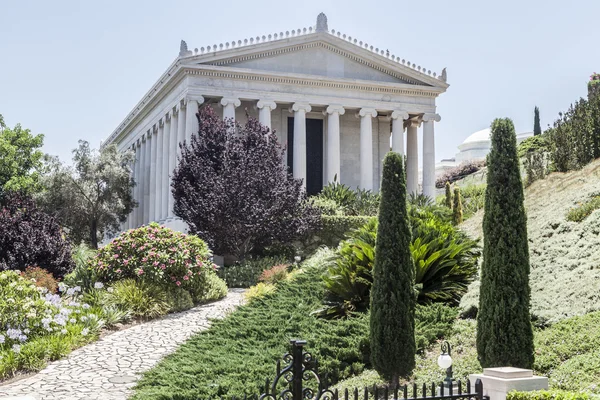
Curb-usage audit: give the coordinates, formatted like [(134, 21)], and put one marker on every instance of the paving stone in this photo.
[(109, 368)]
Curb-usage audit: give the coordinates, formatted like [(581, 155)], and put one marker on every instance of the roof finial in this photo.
[(183, 49), (322, 23), (444, 76)]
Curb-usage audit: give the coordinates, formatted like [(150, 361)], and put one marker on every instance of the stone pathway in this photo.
[(108, 368)]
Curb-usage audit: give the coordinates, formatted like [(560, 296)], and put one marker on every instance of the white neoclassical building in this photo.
[(337, 104)]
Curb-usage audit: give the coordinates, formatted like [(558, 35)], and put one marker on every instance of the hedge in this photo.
[(335, 227), (550, 395)]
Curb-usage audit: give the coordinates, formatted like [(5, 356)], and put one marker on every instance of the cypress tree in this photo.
[(537, 129), (457, 211), (448, 195), (504, 332), (392, 320)]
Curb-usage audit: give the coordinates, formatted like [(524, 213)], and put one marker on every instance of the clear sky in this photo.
[(74, 69)]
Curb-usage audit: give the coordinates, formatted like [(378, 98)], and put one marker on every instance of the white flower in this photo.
[(63, 331), (86, 306), (85, 331), (16, 348), (72, 320), (98, 285), (110, 290), (2, 339)]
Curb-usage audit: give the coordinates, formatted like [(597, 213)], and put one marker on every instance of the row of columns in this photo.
[(157, 150)]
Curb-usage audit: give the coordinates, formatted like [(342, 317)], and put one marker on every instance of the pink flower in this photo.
[(125, 262), (116, 256), (144, 259), (140, 271), (118, 271), (185, 278), (171, 261), (178, 283), (163, 266), (155, 263)]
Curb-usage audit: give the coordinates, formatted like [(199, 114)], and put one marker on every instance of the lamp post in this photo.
[(445, 362)]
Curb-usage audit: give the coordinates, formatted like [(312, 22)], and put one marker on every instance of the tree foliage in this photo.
[(457, 209), (448, 199), (392, 318), (233, 189), (504, 331), (92, 197), (537, 129), (20, 159), (30, 237)]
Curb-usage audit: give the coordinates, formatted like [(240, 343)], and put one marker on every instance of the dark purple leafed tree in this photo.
[(233, 189)]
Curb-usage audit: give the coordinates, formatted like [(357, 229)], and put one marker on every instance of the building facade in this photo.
[(337, 104)]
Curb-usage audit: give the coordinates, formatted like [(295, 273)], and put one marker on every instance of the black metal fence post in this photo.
[(297, 369)]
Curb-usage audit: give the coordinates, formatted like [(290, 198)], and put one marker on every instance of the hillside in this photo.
[(565, 255)]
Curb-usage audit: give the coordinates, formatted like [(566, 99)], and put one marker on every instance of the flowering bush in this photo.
[(30, 315), (41, 278), (459, 172), (157, 255), (274, 274)]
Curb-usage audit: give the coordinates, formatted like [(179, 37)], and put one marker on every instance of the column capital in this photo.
[(431, 117), (266, 104), (335, 108), (367, 112), (192, 97), (168, 116), (412, 123), (301, 107), (155, 129), (161, 122), (225, 101), (399, 114)]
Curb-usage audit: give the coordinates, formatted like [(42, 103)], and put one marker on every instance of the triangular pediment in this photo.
[(319, 54)]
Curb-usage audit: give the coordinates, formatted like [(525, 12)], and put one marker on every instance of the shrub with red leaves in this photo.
[(29, 236), (459, 172), (41, 278), (274, 274)]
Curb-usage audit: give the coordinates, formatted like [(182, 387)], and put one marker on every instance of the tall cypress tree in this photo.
[(392, 321), (448, 195), (504, 332), (537, 129), (457, 210)]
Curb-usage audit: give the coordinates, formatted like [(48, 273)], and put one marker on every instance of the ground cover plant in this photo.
[(584, 209), (237, 354)]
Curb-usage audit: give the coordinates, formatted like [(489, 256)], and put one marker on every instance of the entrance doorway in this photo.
[(314, 153)]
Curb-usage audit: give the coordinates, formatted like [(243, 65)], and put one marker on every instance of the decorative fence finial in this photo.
[(183, 49), (444, 76), (322, 23)]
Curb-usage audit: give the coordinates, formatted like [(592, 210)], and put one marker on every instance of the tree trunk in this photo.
[(94, 234), (395, 381)]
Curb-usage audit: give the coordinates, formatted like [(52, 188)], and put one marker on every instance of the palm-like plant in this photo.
[(445, 261)]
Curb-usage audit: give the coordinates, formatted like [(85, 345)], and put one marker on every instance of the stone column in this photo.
[(299, 156), (333, 142), (146, 177), (229, 105), (181, 124), (164, 171), (191, 121), (152, 178), (412, 158), (158, 171), (383, 140), (366, 147), (138, 184), (398, 118), (264, 112), (173, 146), (429, 154)]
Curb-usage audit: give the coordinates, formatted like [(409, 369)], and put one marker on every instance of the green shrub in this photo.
[(548, 394), (156, 255), (259, 291), (457, 211), (141, 299), (583, 210), (433, 322), (448, 197), (246, 273), (339, 193), (83, 274), (533, 144), (214, 288), (326, 206), (41, 278), (445, 264), (335, 228), (180, 300), (349, 201), (473, 199)]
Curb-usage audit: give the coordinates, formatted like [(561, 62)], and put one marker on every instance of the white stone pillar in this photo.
[(333, 142), (146, 177), (412, 158), (152, 178), (398, 118), (229, 105), (158, 170), (138, 184), (366, 147), (191, 120), (429, 154), (181, 124), (164, 171), (299, 156), (173, 146), (264, 112)]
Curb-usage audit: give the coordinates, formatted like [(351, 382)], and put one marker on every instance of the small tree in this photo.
[(537, 128), (504, 332), (94, 196), (448, 195), (20, 159), (30, 237), (392, 295), (233, 189), (457, 210)]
